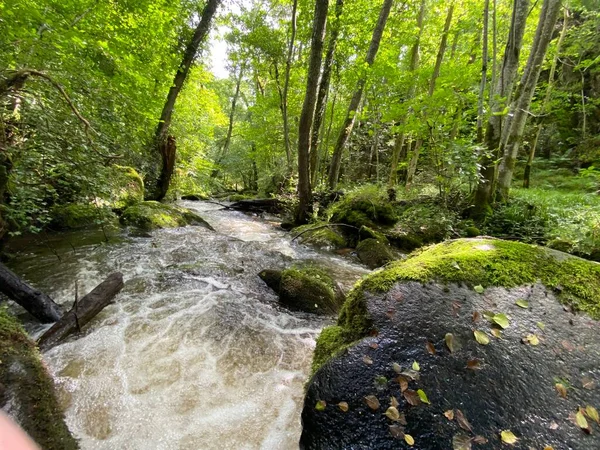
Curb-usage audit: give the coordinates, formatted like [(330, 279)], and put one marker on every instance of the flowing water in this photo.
[(195, 353)]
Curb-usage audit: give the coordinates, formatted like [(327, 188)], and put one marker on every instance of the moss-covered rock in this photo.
[(305, 289), (127, 187), (27, 390), (77, 216), (152, 215), (321, 236), (374, 253), (194, 196), (369, 233), (364, 207)]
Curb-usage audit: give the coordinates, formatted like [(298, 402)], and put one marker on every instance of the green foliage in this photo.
[(74, 216)]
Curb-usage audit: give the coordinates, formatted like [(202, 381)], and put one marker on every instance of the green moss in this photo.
[(322, 237), (127, 187), (76, 216), (26, 386), (369, 233), (366, 206), (472, 231), (374, 253), (239, 197), (486, 262), (152, 215)]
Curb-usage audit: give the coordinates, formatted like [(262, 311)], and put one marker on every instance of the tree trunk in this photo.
[(546, 103), (308, 111), (323, 91), (502, 90), (38, 304), (336, 159), (412, 166), (83, 311), (413, 65), (484, 63), (286, 84), (522, 102), (160, 186)]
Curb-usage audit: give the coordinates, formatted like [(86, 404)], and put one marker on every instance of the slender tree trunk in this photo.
[(234, 102), (522, 103), (308, 111), (502, 90), (162, 145), (412, 166), (546, 103), (286, 85), (484, 63), (413, 65), (494, 53), (336, 159), (324, 90)]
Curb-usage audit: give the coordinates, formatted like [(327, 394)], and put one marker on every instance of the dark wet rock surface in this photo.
[(514, 390)]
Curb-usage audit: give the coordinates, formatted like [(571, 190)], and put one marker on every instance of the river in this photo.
[(195, 353)]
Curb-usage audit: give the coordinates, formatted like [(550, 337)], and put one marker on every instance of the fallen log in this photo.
[(83, 311), (259, 205), (38, 304)]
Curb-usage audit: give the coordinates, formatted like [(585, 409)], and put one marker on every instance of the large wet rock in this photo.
[(151, 215), (306, 289), (413, 310), (75, 216), (27, 390), (320, 235)]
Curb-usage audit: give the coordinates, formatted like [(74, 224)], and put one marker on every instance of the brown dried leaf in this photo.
[(462, 421), (496, 333), (476, 316), (372, 402), (397, 368), (547, 447), (430, 348), (561, 389), (411, 374), (392, 413), (412, 397), (474, 364), (455, 308), (367, 360), (480, 439), (449, 414), (461, 441), (397, 431), (394, 402), (374, 345), (588, 383), (450, 342), (343, 406), (403, 381)]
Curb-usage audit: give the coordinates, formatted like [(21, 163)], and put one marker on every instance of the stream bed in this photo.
[(195, 353)]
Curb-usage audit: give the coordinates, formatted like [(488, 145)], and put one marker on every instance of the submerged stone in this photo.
[(426, 309), (305, 289), (151, 215)]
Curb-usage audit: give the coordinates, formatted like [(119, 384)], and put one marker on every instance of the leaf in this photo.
[(392, 413), (588, 383), (374, 345), (522, 303), (397, 431), (449, 414), (531, 339), (367, 360), (423, 396), (461, 441), (430, 348), (474, 364), (479, 289), (372, 402), (480, 439), (409, 439), (343, 406), (321, 405), (496, 333), (561, 389), (462, 421), (415, 366), (397, 368), (412, 397), (592, 413), (449, 338), (581, 421), (481, 337), (403, 381), (508, 437), (541, 326), (547, 447), (476, 316), (488, 315), (501, 320), (411, 374), (394, 402)]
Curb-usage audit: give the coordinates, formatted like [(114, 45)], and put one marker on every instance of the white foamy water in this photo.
[(195, 353)]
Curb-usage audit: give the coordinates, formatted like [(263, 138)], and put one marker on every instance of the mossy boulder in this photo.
[(27, 390), (365, 207), (426, 309), (152, 215), (321, 236), (194, 196), (127, 187), (374, 253), (78, 216), (369, 233), (306, 289)]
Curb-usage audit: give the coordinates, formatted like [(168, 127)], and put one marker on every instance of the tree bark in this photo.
[(522, 102), (38, 304), (286, 85), (83, 311), (308, 111), (161, 185), (336, 159), (324, 91), (546, 102), (413, 65), (412, 165), (484, 64), (502, 91)]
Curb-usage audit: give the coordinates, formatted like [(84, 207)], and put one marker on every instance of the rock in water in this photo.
[(412, 327)]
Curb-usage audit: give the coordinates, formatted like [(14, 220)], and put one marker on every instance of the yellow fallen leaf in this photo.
[(415, 366), (409, 439), (508, 437), (449, 338), (481, 337), (547, 447), (343, 406), (394, 402), (392, 413), (449, 414), (561, 389), (581, 421), (592, 413), (423, 396)]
